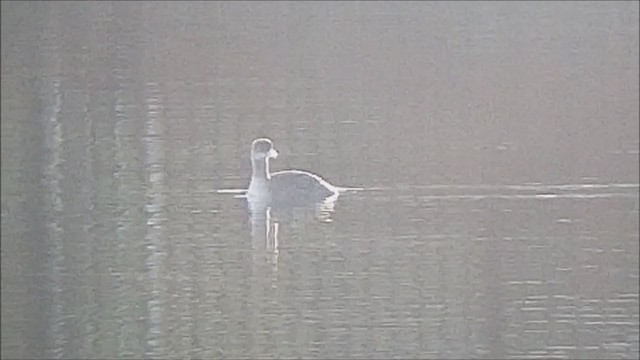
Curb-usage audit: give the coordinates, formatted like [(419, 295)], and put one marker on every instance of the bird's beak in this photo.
[(273, 154)]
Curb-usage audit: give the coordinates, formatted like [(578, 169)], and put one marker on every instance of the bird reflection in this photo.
[(267, 217)]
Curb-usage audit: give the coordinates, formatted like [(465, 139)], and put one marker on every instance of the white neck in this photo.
[(259, 177), (260, 169)]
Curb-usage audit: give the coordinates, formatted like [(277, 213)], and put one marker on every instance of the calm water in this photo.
[(497, 144)]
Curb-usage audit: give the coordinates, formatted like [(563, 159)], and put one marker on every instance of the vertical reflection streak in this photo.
[(155, 147), (52, 179)]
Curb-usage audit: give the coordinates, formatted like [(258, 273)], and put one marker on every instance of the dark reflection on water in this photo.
[(497, 144)]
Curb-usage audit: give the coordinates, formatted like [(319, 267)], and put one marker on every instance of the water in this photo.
[(496, 145)]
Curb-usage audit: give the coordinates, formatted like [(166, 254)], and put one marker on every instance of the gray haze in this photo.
[(496, 142)]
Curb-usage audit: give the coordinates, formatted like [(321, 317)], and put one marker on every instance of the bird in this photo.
[(289, 187)]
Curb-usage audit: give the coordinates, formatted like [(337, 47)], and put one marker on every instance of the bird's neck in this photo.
[(260, 169)]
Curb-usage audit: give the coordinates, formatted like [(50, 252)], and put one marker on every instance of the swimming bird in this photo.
[(289, 187)]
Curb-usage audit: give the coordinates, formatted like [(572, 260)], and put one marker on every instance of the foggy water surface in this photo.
[(496, 145)]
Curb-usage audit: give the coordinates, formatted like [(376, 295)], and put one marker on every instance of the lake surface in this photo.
[(496, 145)]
